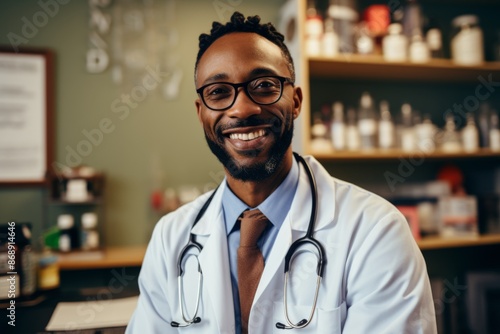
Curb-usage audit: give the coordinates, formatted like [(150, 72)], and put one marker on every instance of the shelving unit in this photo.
[(323, 78), (354, 66)]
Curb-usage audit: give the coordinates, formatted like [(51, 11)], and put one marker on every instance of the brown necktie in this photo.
[(250, 261)]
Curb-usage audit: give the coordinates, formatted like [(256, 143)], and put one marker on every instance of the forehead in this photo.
[(236, 56)]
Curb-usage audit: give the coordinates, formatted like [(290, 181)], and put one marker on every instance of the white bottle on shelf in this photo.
[(89, 233), (419, 50), (451, 139), (338, 127), (470, 135), (330, 41), (66, 224), (395, 44), (425, 133), (367, 122), (407, 129), (313, 30), (353, 142), (386, 130)]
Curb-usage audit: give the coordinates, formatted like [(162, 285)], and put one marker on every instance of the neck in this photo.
[(252, 193)]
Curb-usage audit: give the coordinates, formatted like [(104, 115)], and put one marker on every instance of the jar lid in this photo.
[(465, 20), (395, 29), (89, 220), (65, 221)]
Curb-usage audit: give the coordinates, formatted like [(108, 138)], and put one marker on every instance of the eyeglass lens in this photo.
[(264, 90)]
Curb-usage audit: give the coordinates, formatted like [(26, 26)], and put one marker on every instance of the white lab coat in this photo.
[(374, 281)]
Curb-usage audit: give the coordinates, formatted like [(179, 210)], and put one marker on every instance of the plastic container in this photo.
[(467, 46)]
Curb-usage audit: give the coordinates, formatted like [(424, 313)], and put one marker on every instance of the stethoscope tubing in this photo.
[(307, 239)]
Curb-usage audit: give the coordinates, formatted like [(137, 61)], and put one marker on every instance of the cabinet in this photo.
[(79, 193), (437, 88)]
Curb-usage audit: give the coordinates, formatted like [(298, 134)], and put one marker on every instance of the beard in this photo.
[(258, 171)]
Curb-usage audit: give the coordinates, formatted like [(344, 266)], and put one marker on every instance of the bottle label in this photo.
[(338, 136)]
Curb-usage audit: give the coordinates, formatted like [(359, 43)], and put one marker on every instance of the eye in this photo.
[(218, 91), (265, 84)]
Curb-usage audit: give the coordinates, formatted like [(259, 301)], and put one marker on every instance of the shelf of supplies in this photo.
[(354, 66), (388, 154), (430, 243), (112, 257)]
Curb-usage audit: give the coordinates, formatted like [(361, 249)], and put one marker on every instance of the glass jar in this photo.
[(467, 46)]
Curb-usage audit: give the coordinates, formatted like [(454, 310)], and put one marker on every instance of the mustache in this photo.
[(275, 124)]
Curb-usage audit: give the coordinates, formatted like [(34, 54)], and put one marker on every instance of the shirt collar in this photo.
[(275, 207)]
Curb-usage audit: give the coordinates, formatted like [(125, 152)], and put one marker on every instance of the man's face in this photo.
[(249, 139)]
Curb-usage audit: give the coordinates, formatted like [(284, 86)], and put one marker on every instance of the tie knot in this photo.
[(253, 223)]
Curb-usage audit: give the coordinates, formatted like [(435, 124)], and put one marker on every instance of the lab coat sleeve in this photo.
[(387, 286), (152, 313)]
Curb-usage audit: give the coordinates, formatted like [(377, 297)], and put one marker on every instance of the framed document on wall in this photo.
[(26, 116)]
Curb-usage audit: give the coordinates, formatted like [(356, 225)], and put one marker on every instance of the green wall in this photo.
[(158, 135)]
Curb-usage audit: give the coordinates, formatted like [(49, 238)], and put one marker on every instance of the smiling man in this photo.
[(238, 237)]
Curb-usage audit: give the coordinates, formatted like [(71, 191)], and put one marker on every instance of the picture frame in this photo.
[(26, 115)]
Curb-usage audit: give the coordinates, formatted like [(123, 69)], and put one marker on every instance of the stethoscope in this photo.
[(307, 239)]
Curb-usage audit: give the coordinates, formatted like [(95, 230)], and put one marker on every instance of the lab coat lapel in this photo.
[(298, 219), (214, 262)]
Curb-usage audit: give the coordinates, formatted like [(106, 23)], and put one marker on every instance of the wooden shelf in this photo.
[(430, 243), (379, 154), (116, 257), (354, 66), (113, 257)]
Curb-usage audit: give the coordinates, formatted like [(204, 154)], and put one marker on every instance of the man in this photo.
[(374, 279)]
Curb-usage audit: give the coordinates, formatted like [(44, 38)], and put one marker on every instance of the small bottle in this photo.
[(330, 41), (407, 129), (367, 122), (425, 133), (313, 30), (412, 18), (365, 43), (89, 233), (338, 130), (386, 134), (345, 16), (494, 132), (450, 139), (65, 223), (395, 44), (419, 51), (353, 142), (48, 271), (467, 46), (434, 39), (319, 133), (470, 135)]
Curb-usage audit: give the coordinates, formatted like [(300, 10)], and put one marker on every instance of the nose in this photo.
[(243, 106)]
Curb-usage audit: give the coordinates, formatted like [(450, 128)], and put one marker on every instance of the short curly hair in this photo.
[(239, 24)]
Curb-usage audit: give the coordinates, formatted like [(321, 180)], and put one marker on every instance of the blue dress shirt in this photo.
[(275, 208)]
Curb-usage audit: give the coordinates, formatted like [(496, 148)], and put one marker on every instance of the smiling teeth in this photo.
[(247, 136)]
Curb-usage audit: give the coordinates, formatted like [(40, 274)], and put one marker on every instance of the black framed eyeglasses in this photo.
[(265, 90)]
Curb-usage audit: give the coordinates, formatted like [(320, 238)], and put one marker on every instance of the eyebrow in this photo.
[(254, 73)]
